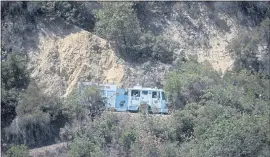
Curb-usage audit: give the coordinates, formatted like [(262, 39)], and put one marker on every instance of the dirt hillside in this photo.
[(62, 62)]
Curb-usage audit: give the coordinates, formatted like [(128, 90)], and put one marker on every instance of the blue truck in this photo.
[(131, 99)]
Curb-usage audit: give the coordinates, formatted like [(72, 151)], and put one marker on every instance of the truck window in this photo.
[(126, 93), (144, 92), (135, 93), (154, 95), (163, 96)]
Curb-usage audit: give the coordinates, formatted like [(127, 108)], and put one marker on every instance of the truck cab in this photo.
[(155, 99)]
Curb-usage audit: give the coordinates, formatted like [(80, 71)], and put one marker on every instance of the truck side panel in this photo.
[(121, 100)]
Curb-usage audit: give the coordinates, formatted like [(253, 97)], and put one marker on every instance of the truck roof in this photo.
[(148, 89), (114, 87)]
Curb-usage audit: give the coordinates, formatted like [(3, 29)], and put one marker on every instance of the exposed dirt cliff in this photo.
[(62, 61)]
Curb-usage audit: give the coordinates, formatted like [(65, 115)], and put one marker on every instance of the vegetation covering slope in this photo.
[(214, 114)]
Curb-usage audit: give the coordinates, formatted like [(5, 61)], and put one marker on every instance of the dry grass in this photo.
[(55, 150)]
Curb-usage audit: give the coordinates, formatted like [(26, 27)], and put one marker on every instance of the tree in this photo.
[(75, 13), (14, 79), (118, 22), (38, 119), (127, 138), (239, 135), (83, 103)]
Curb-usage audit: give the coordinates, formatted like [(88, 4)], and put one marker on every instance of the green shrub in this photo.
[(18, 151), (187, 83), (83, 104), (146, 146), (162, 128), (127, 138), (243, 135), (84, 146), (36, 117), (170, 150), (14, 78)]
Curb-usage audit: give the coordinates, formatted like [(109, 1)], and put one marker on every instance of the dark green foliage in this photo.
[(83, 146), (188, 83), (118, 135), (84, 104), (14, 74), (18, 28), (230, 116), (161, 129), (161, 49), (75, 13), (243, 135), (118, 22), (230, 136), (127, 138), (14, 79), (150, 12), (38, 119), (96, 135), (79, 108), (255, 12)]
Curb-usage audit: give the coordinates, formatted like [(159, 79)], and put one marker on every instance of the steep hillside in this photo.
[(62, 61), (200, 31), (211, 57), (61, 36)]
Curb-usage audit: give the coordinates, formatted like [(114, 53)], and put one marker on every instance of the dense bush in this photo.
[(127, 138), (188, 82), (83, 146), (229, 135), (18, 151), (83, 104), (14, 78), (229, 116), (37, 121)]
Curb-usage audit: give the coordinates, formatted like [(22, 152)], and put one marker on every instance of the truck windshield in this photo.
[(135, 93)]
